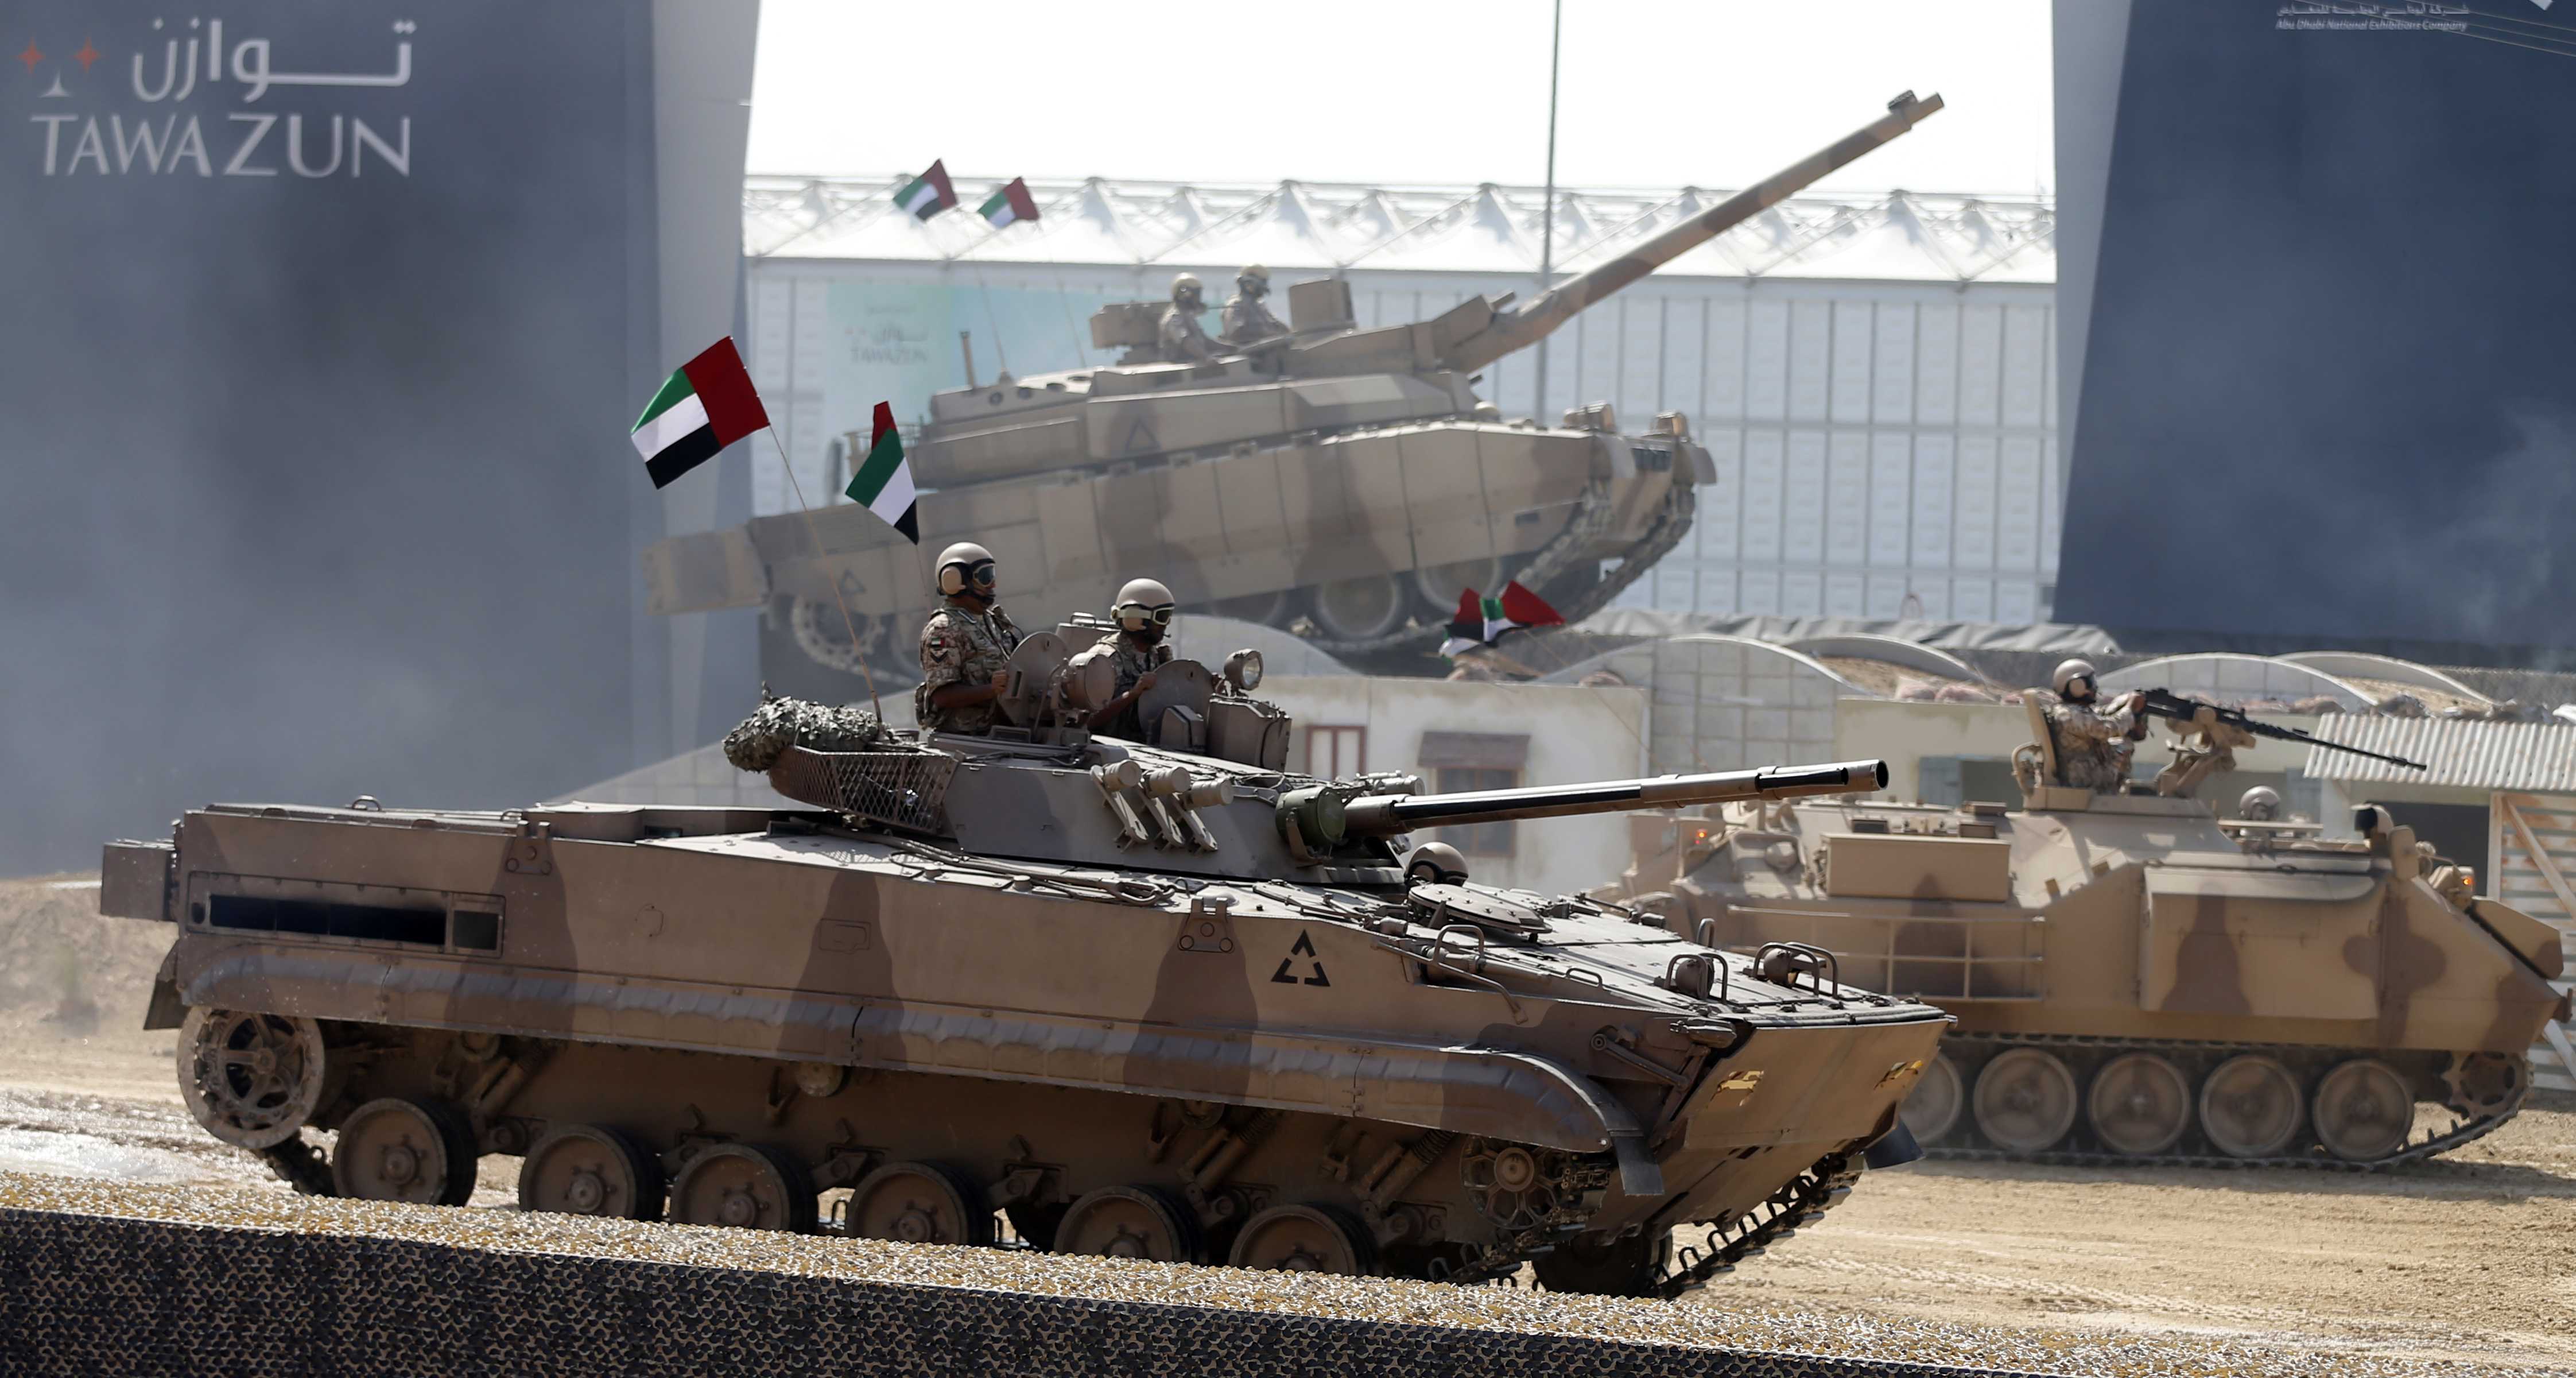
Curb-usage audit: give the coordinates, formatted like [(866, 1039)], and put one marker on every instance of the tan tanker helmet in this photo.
[(1142, 601), (2260, 804), (2069, 671), (972, 567), (1435, 863), (1186, 282), (1254, 272)]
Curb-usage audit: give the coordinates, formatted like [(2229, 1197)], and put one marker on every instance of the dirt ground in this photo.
[(2469, 1257)]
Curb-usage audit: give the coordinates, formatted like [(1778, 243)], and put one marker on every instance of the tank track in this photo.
[(1581, 1186), (2474, 1129), (1672, 522), (1802, 1202)]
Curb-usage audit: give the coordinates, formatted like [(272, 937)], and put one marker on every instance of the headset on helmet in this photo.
[(1436, 863), (965, 564), (1141, 601), (2069, 671)]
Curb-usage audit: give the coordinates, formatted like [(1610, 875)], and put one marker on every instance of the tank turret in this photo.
[(1340, 480), (1156, 999)]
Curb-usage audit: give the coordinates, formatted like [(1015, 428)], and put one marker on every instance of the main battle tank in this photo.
[(2134, 980), (1155, 999), (1347, 479)]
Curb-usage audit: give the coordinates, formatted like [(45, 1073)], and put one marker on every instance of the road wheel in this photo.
[(1130, 1222), (2025, 1100), (919, 1203), (1932, 1107), (1305, 1239), (418, 1151), (2363, 1110), (1440, 585), (591, 1169), (1359, 609), (250, 1079), (2139, 1105), (749, 1186), (2249, 1106)]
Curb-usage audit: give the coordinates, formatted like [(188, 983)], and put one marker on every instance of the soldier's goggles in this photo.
[(1160, 617), (980, 574)]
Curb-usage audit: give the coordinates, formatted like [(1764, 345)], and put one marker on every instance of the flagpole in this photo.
[(858, 652)]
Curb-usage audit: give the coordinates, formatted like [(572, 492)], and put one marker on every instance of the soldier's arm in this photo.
[(1108, 712), (943, 669)]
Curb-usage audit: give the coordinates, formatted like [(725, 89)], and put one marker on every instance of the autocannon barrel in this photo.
[(1387, 815), (1558, 305)]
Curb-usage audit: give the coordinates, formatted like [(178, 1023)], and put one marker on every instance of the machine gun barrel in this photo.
[(1556, 306), (2159, 703), (1387, 815)]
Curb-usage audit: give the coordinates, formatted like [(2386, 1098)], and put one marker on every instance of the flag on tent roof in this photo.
[(928, 194), (883, 483), (1009, 205), (709, 404), (1483, 621)]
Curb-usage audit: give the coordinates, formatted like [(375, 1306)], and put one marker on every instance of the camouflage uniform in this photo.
[(962, 646), (2092, 747), (1247, 320), (1184, 342), (1132, 665)]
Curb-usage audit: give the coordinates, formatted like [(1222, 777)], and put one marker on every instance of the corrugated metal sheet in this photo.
[(2465, 753)]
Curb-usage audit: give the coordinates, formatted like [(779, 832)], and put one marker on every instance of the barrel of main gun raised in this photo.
[(1555, 307), (1387, 815)]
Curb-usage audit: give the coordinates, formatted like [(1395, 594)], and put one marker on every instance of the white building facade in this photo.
[(1874, 376)]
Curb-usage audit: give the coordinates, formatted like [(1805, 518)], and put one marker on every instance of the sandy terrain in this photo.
[(2470, 1257)]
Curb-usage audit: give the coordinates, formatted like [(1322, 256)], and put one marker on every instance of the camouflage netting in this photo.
[(785, 722)]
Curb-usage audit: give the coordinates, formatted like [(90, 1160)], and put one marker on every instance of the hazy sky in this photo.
[(1656, 93)]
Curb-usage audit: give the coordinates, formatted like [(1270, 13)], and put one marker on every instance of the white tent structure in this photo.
[(1873, 375)]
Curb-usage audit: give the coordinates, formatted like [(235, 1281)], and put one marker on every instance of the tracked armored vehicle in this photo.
[(1157, 999), (2136, 981), (1342, 480)]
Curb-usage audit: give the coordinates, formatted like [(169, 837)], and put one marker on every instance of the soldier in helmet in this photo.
[(1246, 319), (2092, 740), (1435, 863), (964, 646), (2261, 804), (1184, 342), (1144, 614)]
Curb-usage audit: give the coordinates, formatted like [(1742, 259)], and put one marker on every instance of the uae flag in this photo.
[(928, 194), (1009, 206), (883, 484), (706, 406), (1483, 621)]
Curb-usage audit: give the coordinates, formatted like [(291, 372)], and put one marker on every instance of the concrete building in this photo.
[(1875, 377)]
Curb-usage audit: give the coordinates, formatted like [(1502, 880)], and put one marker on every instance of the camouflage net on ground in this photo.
[(785, 722)]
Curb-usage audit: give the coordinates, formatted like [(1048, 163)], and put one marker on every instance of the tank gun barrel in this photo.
[(1387, 815), (1556, 306)]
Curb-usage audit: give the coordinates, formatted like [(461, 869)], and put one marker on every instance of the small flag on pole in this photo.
[(709, 404), (1483, 621), (1009, 205), (928, 194), (883, 484)]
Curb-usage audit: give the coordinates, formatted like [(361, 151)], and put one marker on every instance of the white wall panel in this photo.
[(2017, 504), (1605, 329), (1975, 526), (2051, 496), (1685, 361), (1766, 360), (1851, 350), (2016, 601), (1811, 335), (1972, 600), (1932, 597), (1933, 452), (1802, 594), (1845, 596), (1936, 369), (1640, 390), (1891, 506), (1891, 392), (1721, 504), (2025, 373), (1758, 593), (1980, 363), (1847, 500), (1722, 378), (1802, 516), (1765, 523), (1884, 596), (1717, 592)]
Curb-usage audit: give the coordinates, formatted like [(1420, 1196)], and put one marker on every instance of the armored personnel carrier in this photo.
[(1155, 999), (1343, 479), (2134, 980)]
